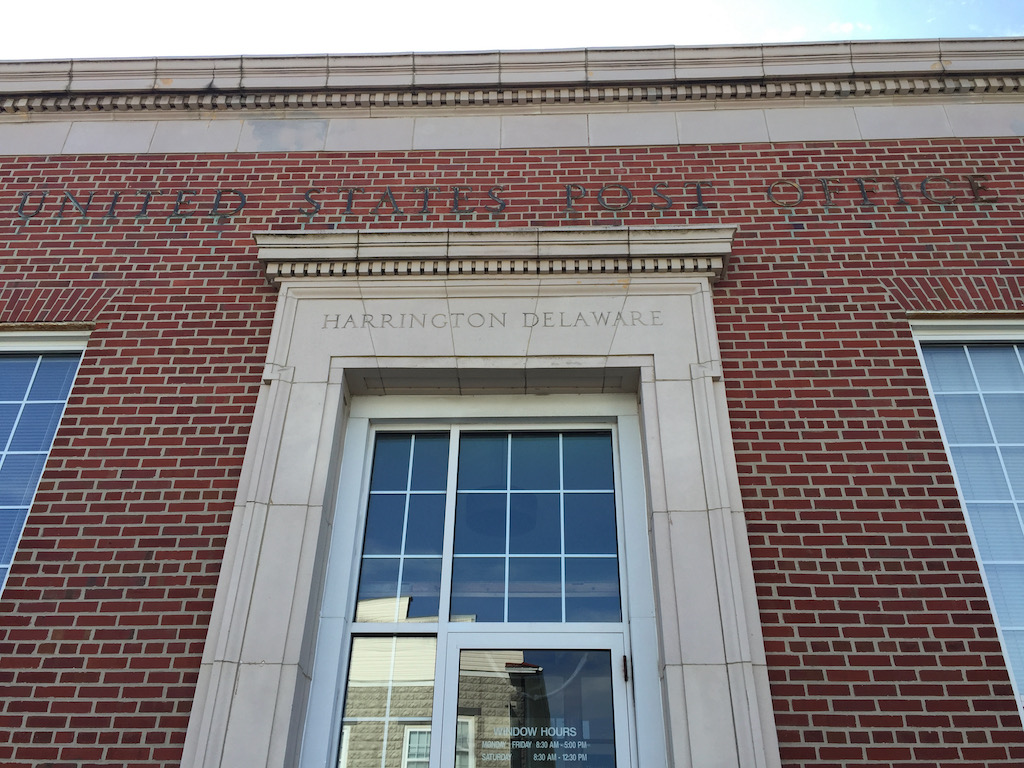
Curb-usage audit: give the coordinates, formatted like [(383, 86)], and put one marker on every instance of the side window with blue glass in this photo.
[(33, 392), (979, 394)]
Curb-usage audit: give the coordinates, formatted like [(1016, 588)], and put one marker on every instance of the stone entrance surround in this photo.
[(540, 315)]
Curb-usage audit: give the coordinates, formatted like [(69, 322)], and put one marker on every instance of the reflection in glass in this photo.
[(483, 461), (391, 455), (590, 524), (534, 589), (592, 589), (534, 461), (478, 589), (587, 460), (535, 525), (430, 462), (390, 688), (480, 523), (385, 517), (425, 534), (539, 708)]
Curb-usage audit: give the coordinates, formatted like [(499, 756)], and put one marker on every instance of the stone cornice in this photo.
[(516, 78), (700, 250)]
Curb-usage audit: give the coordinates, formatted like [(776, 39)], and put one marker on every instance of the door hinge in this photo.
[(625, 668)]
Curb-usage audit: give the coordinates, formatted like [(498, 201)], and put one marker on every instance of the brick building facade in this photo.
[(758, 248)]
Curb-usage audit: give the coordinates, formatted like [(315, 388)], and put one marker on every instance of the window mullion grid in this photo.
[(508, 519), (1016, 505), (5, 563), (448, 542), (405, 528), (444, 597), (561, 517), (1001, 626), (991, 429), (387, 704), (21, 410)]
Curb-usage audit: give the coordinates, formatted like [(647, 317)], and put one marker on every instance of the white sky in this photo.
[(61, 29)]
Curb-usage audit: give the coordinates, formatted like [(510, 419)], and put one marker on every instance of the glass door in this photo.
[(555, 701)]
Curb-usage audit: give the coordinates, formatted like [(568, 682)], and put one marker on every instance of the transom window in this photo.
[(471, 529), (534, 534)]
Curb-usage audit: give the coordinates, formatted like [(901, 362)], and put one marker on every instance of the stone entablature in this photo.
[(515, 78), (698, 250), (940, 89)]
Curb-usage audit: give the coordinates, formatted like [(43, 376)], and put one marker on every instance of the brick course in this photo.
[(880, 643)]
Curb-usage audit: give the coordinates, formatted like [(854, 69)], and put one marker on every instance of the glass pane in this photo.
[(417, 747), (8, 415), (54, 377), (11, 523), (539, 708), (385, 516), (430, 462), (980, 473), (1014, 640), (425, 534), (590, 523), (1007, 414), (535, 589), (37, 426), (535, 525), (480, 523), (588, 460), (483, 461), (963, 418), (1013, 458), (948, 369), (391, 456), (421, 589), (1006, 582), (997, 368), (17, 375), (378, 590), (478, 589), (464, 743), (592, 589), (19, 476), (535, 462), (997, 531), (390, 688)]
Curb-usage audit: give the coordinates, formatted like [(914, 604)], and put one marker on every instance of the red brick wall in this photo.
[(881, 647)]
